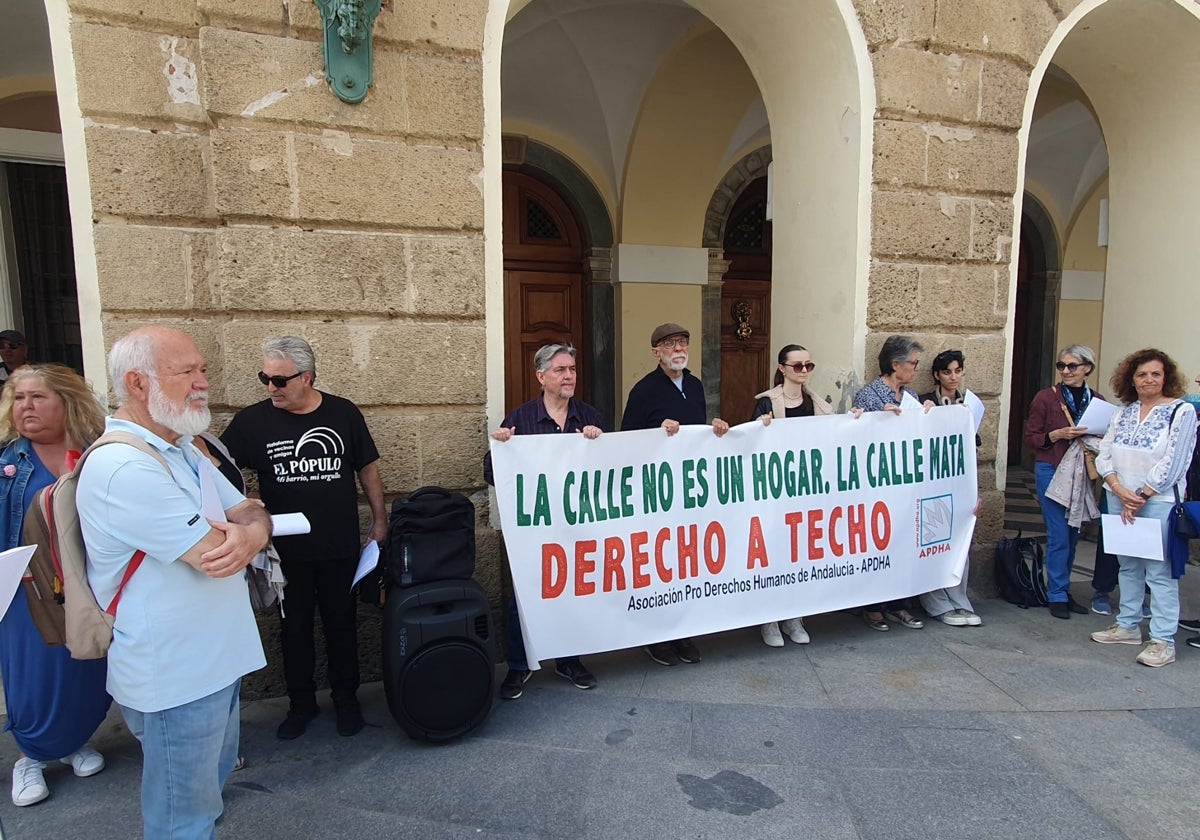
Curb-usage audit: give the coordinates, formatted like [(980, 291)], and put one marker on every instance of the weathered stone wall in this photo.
[(235, 197), (951, 77)]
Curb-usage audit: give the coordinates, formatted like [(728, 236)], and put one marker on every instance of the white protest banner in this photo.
[(637, 537)]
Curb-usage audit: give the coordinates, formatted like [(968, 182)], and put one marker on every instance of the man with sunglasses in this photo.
[(669, 397), (14, 352), (307, 446)]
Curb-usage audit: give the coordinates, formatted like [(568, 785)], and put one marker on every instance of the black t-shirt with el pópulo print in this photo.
[(307, 463)]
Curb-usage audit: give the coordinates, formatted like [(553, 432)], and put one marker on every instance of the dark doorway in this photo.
[(45, 266), (1033, 324), (746, 304), (543, 283)]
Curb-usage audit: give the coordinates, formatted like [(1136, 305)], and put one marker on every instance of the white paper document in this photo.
[(210, 499), (1097, 416), (13, 564), (909, 403), (976, 405), (367, 561), (289, 524), (1141, 538)]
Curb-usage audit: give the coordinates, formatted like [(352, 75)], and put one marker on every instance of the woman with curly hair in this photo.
[(47, 415), (1144, 458)]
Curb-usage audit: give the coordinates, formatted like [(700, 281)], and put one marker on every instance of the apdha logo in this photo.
[(329, 441), (935, 520)]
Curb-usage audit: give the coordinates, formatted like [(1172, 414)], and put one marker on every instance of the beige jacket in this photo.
[(775, 395)]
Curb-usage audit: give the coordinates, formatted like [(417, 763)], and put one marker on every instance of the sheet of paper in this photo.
[(367, 561), (290, 524), (976, 405), (210, 500), (13, 564), (1141, 538), (909, 403), (1097, 416)]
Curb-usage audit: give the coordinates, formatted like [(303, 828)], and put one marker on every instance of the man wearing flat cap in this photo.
[(14, 352), (669, 397)]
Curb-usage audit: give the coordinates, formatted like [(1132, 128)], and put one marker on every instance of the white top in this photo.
[(179, 635), (1150, 453)]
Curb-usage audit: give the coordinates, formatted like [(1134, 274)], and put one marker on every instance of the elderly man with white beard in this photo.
[(185, 634), (667, 397)]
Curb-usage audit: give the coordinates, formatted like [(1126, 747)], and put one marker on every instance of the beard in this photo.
[(181, 419), (677, 362)]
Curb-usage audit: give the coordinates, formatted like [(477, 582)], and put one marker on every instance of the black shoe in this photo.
[(1076, 607), (1194, 641), (1190, 624), (687, 651), (349, 718), (662, 653), (1059, 609), (514, 683), (573, 670), (295, 723)]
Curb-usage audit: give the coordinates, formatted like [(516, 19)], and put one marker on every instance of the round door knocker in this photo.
[(741, 314)]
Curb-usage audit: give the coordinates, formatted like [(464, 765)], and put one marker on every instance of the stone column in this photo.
[(710, 317), (601, 350)]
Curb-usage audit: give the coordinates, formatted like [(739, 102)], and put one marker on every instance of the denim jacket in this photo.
[(18, 454)]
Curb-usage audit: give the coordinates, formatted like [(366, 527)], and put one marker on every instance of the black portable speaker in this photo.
[(438, 662)]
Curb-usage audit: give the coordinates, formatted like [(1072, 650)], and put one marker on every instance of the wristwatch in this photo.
[(1143, 496)]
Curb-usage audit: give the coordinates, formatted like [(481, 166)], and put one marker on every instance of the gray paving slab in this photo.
[(1023, 727), (1123, 765)]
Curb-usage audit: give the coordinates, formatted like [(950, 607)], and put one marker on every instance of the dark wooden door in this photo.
[(543, 282), (746, 360)]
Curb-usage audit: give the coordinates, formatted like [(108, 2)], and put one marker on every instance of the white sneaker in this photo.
[(794, 627), (771, 635), (86, 762), (29, 785), (1157, 654), (972, 619), (954, 618)]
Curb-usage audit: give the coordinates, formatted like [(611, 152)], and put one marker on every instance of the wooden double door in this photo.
[(543, 283), (747, 362)]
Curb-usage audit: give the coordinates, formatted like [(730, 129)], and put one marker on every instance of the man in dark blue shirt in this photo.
[(667, 397), (556, 411)]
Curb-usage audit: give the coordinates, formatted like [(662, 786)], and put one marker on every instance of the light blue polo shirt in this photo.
[(179, 635)]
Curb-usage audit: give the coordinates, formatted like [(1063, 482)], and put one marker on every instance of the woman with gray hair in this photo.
[(899, 358), (1053, 424)]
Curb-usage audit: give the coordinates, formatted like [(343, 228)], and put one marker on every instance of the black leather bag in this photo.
[(1021, 571), (431, 537)]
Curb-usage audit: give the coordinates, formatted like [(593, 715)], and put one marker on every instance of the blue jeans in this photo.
[(187, 754), (1061, 539), (1138, 572)]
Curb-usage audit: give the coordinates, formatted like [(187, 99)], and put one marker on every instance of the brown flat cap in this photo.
[(666, 331)]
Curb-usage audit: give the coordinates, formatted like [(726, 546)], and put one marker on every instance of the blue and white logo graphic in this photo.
[(935, 519)]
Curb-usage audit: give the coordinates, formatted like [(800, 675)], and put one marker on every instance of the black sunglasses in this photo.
[(277, 381), (801, 367), (1071, 366)]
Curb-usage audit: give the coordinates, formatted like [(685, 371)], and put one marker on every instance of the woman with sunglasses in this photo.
[(950, 606), (1053, 424), (789, 398)]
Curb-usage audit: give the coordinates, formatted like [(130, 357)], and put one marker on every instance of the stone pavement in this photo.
[(1021, 728)]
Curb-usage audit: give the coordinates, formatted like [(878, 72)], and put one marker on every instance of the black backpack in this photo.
[(431, 537), (1021, 571)]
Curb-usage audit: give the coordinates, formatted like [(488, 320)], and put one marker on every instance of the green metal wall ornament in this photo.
[(349, 67)]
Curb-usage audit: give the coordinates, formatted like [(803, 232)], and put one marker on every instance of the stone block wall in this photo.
[(951, 79), (235, 197)]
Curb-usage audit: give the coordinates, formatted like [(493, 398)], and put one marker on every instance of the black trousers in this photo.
[(323, 585)]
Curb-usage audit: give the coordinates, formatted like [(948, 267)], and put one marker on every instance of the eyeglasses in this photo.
[(668, 343), (914, 362), (10, 345), (801, 367), (277, 381), (1071, 366)]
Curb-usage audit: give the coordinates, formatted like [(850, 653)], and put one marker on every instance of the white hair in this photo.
[(133, 352), (296, 350)]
